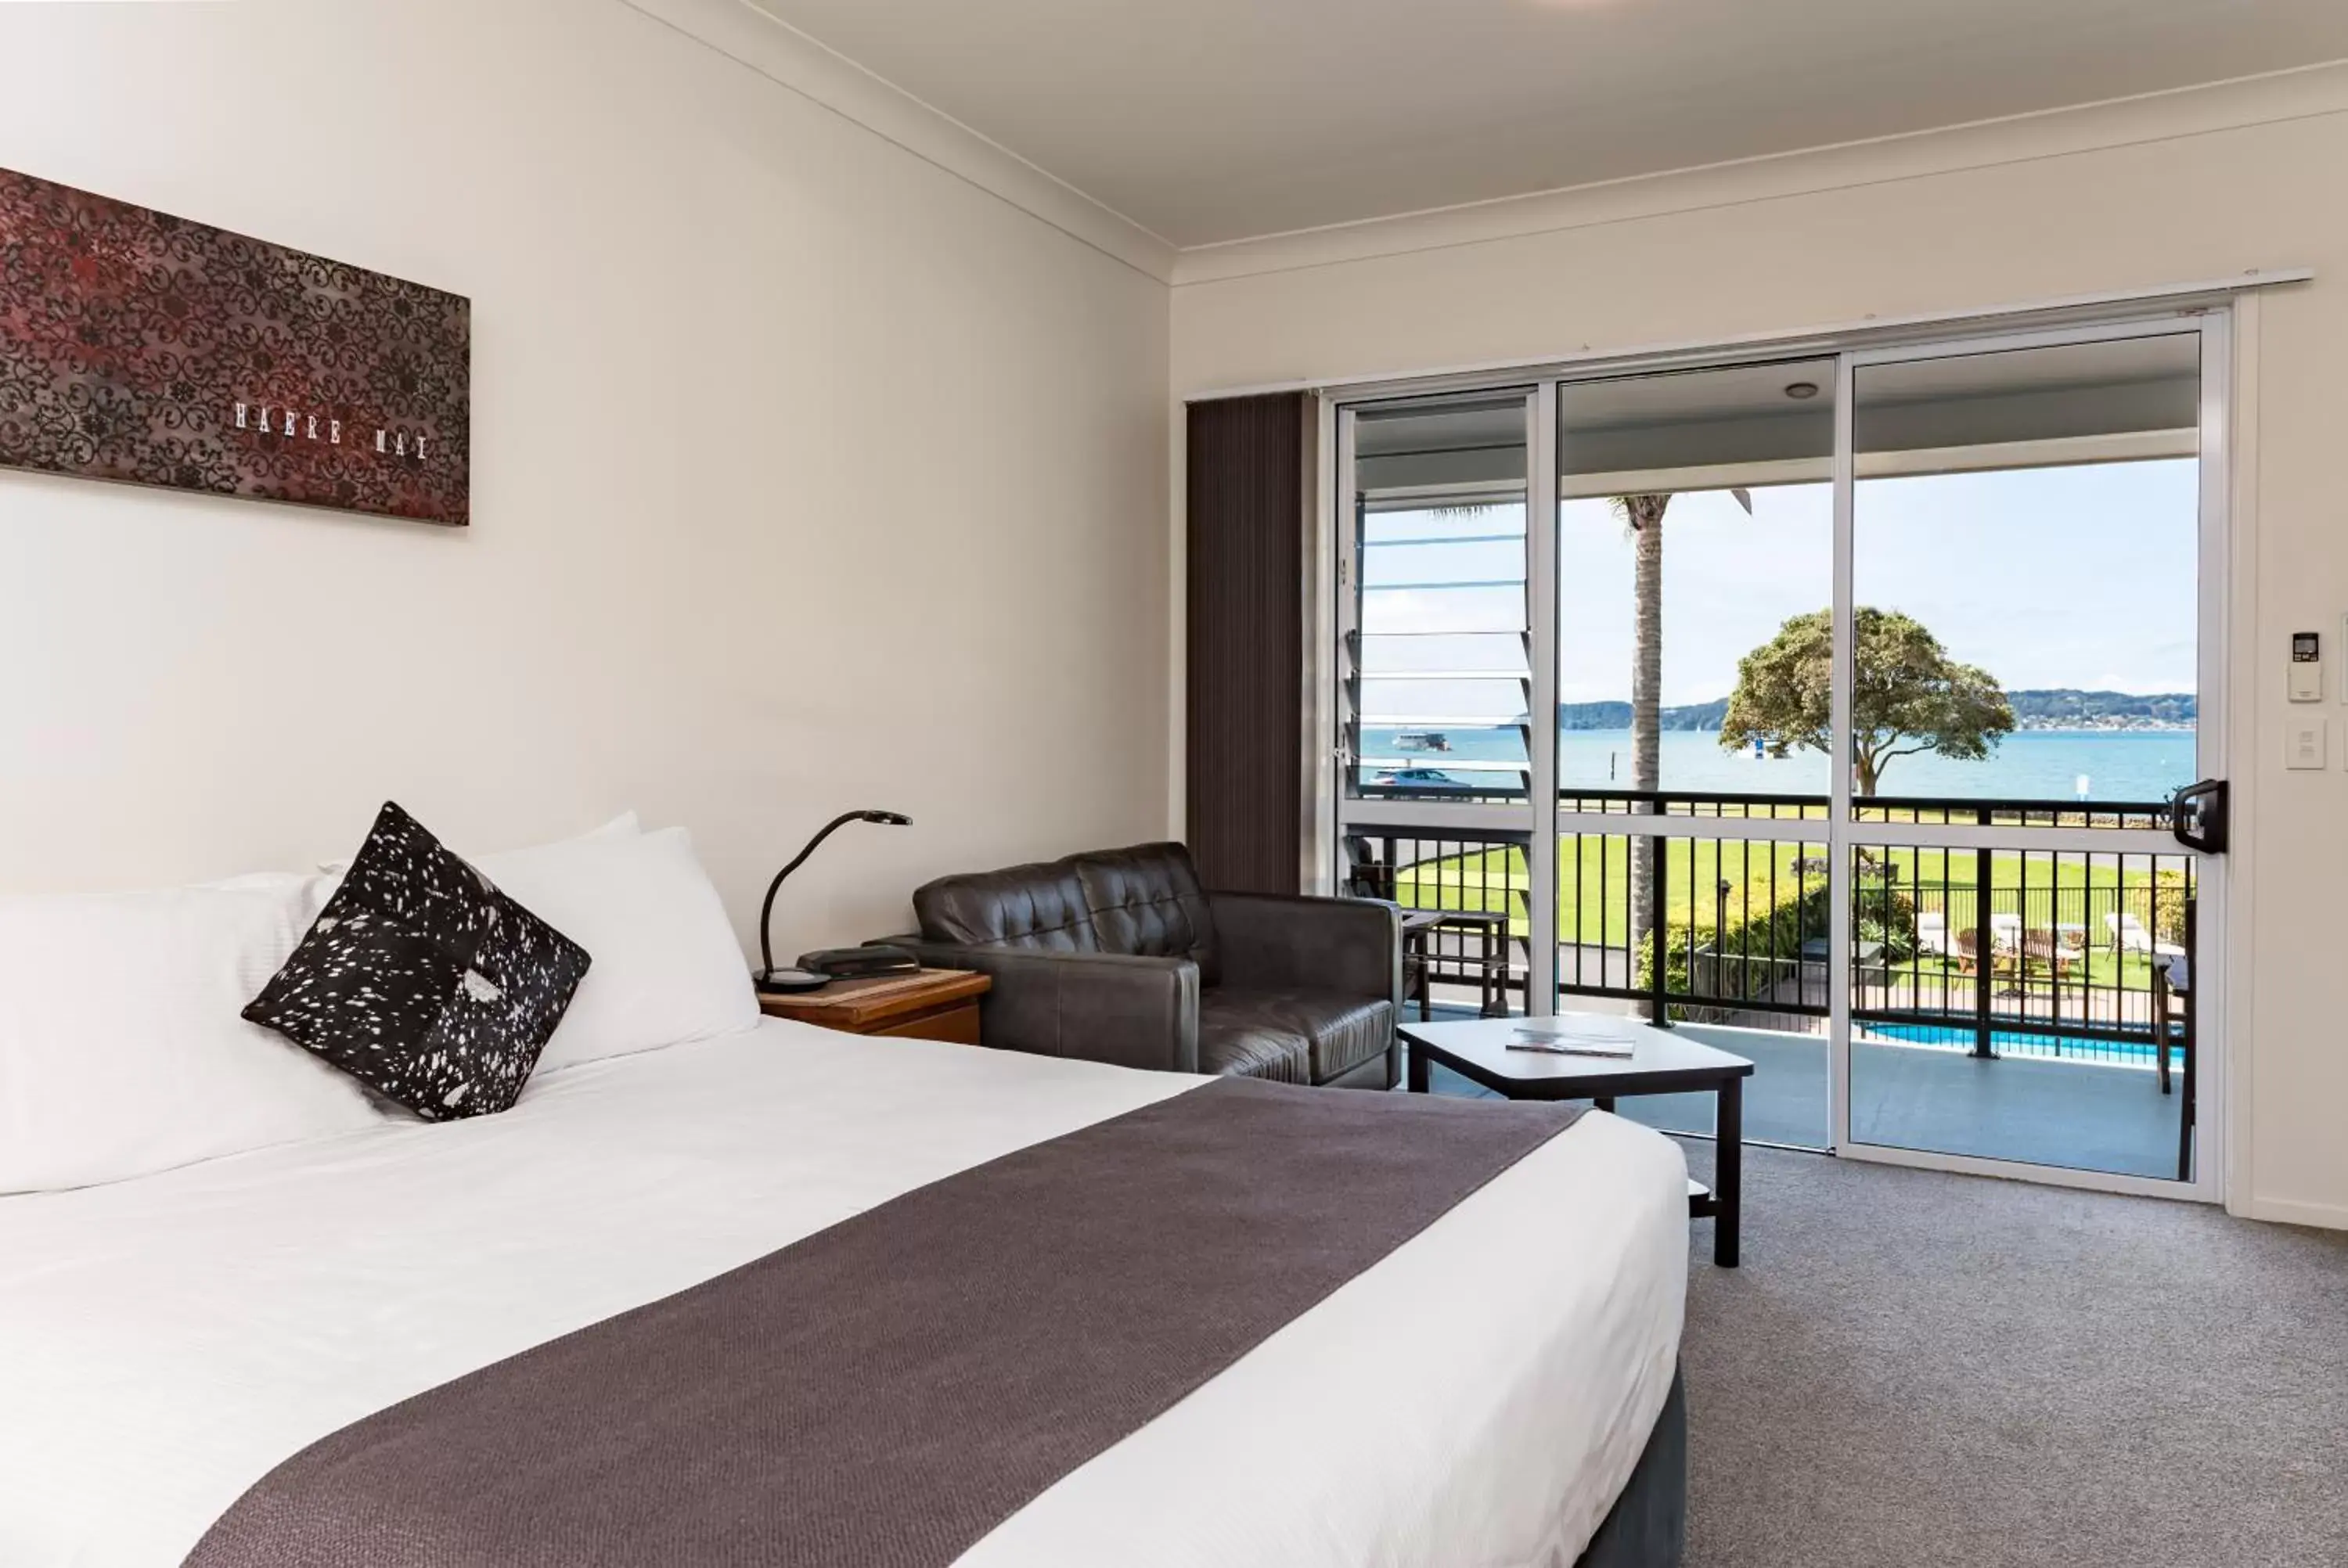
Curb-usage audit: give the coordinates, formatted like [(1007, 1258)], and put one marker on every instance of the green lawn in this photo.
[(1593, 887)]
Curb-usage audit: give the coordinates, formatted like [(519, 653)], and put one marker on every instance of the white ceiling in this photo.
[(1212, 121)]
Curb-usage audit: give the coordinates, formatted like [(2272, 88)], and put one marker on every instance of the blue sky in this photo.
[(2079, 577)]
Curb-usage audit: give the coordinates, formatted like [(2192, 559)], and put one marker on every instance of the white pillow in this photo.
[(665, 966), (120, 1048)]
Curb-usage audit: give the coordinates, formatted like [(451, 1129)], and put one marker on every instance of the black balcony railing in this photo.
[(2003, 950), (1692, 802), (1945, 811)]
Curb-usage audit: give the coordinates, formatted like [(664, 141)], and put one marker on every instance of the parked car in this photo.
[(1417, 778)]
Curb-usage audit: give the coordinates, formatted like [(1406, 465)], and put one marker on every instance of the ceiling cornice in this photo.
[(755, 38), (2297, 94)]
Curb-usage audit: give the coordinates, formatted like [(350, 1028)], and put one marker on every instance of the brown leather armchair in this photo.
[(1121, 957)]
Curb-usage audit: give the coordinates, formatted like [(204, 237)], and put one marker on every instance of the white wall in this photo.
[(2157, 192), (807, 475)]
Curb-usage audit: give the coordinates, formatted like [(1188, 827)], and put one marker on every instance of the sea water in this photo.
[(2030, 764)]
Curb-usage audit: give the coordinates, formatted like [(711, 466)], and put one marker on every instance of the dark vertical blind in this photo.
[(1246, 599)]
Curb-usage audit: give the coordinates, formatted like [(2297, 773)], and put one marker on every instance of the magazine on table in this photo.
[(1558, 1038)]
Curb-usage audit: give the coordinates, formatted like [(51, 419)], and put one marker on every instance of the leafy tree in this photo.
[(1909, 695)]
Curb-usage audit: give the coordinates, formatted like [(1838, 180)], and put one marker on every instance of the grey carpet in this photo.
[(1926, 1369)]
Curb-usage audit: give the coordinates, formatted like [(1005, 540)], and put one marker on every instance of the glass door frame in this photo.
[(2213, 329), (1333, 813)]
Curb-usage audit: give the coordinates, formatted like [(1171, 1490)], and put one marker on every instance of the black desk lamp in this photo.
[(805, 978)]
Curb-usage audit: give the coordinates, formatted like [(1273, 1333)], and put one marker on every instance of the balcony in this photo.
[(2009, 1002)]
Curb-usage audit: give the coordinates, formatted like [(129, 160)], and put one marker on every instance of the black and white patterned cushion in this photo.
[(422, 980)]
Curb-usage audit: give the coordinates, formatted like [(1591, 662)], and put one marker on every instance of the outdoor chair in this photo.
[(2173, 1027), (2001, 958), (1469, 945), (2045, 948), (2129, 936)]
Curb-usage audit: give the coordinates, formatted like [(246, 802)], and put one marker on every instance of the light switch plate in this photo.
[(2304, 743)]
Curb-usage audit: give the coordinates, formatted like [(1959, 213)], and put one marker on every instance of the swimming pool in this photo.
[(2016, 1042)]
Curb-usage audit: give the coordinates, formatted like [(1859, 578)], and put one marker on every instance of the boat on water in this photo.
[(1421, 740)]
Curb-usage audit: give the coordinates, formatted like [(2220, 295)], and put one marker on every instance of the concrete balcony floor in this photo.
[(2081, 1115)]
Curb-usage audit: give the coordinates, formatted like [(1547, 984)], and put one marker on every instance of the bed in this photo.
[(1480, 1396), (667, 1282)]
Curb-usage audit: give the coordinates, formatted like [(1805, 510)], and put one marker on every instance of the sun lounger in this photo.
[(1931, 932), (2005, 932), (2129, 936)]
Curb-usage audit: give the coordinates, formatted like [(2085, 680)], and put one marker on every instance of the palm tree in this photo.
[(1643, 514)]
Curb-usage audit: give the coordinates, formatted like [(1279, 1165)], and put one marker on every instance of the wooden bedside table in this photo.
[(932, 1004)]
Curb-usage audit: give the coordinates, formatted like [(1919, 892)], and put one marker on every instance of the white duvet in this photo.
[(1480, 1397)]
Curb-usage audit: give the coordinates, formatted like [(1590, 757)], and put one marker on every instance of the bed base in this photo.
[(1647, 1526)]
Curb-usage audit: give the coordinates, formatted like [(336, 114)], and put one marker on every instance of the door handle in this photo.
[(2197, 817)]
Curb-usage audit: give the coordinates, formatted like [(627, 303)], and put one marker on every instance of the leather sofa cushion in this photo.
[(1297, 1037), (1147, 901), (1236, 1042), (1018, 906)]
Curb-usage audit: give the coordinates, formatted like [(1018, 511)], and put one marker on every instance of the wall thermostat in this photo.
[(2306, 667)]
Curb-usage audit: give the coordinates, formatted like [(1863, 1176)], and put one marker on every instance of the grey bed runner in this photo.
[(885, 1392)]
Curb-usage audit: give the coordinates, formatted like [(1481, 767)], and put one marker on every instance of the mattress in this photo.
[(1479, 1397)]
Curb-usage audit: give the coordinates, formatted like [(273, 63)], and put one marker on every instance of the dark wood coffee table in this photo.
[(1666, 1062)]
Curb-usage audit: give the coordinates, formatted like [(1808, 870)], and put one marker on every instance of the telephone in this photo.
[(860, 963)]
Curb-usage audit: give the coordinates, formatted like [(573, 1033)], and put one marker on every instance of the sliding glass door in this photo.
[(2031, 525), (1833, 707), (1696, 518)]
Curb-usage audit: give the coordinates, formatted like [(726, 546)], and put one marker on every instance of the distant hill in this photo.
[(2058, 708), (1617, 716), (2064, 708)]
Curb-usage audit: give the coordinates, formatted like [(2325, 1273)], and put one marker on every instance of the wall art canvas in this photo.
[(144, 348)]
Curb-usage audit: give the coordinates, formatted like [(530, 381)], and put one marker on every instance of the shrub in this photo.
[(2169, 897), (1777, 933)]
